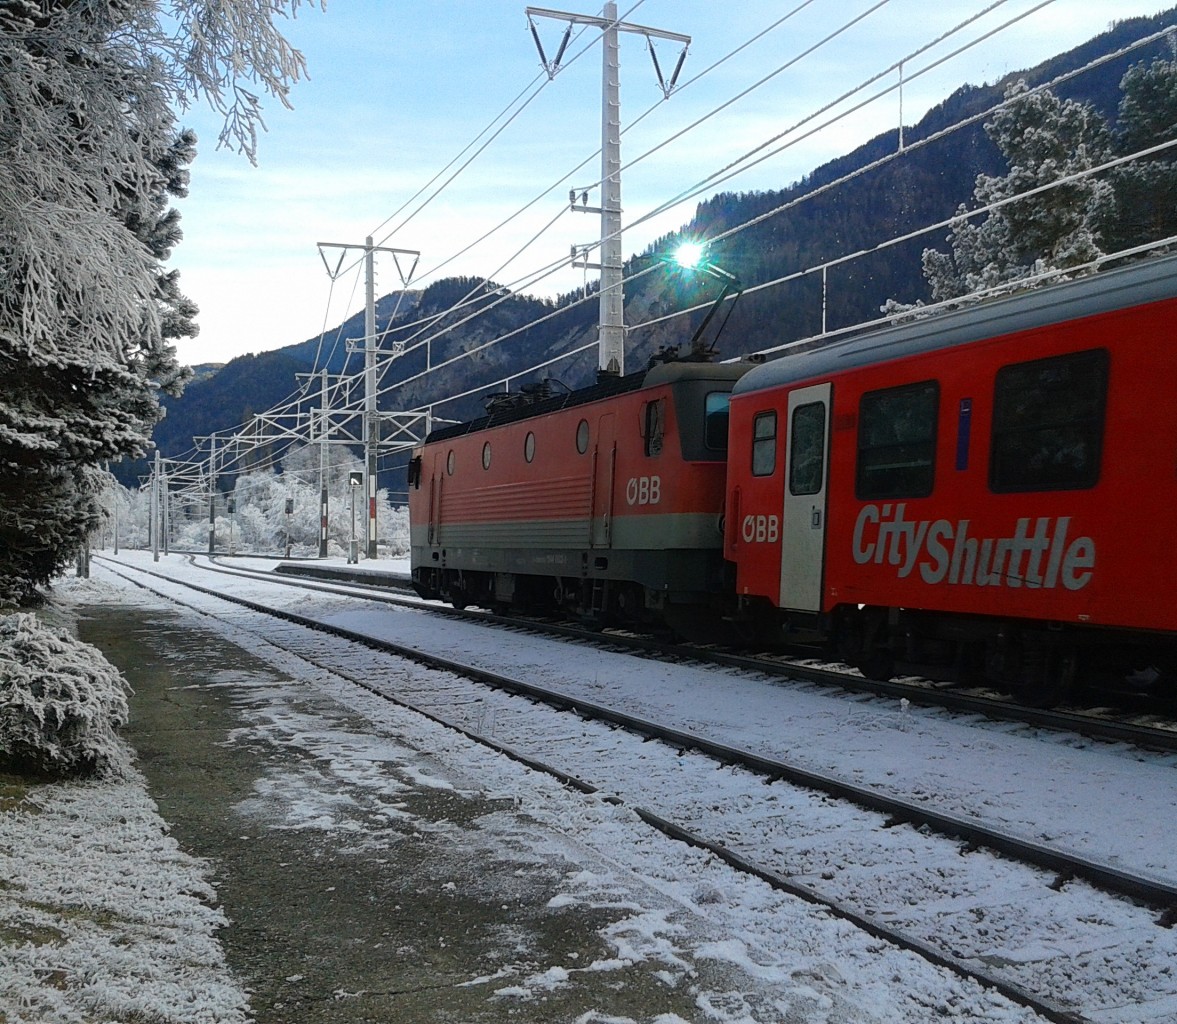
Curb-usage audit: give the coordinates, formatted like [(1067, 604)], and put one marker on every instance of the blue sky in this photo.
[(398, 88)]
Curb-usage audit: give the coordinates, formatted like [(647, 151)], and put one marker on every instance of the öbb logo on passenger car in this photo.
[(643, 490), (1040, 556), (760, 529)]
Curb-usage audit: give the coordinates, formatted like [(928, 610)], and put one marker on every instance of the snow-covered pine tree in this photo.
[(1043, 139), (89, 156), (1146, 190)]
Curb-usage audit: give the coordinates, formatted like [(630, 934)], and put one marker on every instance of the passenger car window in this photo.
[(897, 442), (715, 413), (1048, 417), (807, 451), (764, 444)]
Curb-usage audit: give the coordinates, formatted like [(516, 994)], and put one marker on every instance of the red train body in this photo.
[(990, 492), (605, 502)]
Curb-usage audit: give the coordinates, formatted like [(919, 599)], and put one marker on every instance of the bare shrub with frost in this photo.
[(61, 702)]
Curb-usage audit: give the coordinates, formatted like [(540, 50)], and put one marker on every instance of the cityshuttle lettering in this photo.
[(1039, 554)]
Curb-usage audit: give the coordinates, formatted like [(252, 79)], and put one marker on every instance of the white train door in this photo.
[(803, 526)]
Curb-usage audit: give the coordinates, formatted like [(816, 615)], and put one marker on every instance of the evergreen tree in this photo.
[(1146, 190), (89, 159), (1043, 139)]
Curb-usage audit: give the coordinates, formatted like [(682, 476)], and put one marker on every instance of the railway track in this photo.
[(949, 888), (1109, 721)]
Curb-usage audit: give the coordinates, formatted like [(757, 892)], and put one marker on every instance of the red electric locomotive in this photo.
[(605, 502), (990, 492)]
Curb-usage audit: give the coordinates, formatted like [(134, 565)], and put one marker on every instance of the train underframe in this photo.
[(1040, 662), (653, 589)]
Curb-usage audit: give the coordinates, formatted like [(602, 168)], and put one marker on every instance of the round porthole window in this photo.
[(449, 463), (582, 437), (486, 455), (529, 446)]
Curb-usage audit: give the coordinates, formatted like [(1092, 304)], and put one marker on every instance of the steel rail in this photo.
[(950, 698)]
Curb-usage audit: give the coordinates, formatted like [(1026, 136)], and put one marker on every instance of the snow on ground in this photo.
[(1104, 799), (102, 916), (150, 936), (748, 954)]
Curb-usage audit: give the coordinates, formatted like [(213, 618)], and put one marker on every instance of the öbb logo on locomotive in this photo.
[(1039, 559), (643, 490)]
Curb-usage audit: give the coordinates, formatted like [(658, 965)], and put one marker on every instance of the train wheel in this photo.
[(1057, 680), (862, 642)]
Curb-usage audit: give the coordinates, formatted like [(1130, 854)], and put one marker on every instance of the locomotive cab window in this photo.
[(715, 416), (764, 444), (1048, 417), (897, 442)]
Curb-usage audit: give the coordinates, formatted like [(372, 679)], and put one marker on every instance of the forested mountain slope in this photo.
[(923, 185)]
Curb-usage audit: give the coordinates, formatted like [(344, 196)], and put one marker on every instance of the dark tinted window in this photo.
[(807, 448), (1048, 423), (715, 411), (897, 442), (764, 444)]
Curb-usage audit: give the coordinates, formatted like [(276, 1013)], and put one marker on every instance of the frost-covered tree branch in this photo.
[(90, 158)]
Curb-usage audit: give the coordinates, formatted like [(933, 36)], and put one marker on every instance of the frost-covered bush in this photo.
[(60, 702)]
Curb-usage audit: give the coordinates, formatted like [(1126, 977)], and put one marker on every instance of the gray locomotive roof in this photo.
[(1147, 281), (609, 387)]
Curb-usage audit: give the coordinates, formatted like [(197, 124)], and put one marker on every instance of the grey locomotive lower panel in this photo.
[(671, 553), (667, 530)]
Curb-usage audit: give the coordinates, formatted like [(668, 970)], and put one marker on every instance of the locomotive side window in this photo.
[(715, 416), (764, 444), (654, 426), (486, 455), (1048, 419), (807, 457), (529, 446), (897, 442), (449, 463), (582, 436)]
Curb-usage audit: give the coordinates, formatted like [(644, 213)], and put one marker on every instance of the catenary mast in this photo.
[(611, 318)]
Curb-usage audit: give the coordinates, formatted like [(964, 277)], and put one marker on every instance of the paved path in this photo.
[(404, 909)]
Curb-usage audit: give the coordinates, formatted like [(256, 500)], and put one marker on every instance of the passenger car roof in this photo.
[(1147, 281)]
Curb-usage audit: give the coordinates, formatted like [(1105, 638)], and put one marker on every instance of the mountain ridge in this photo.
[(926, 185)]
